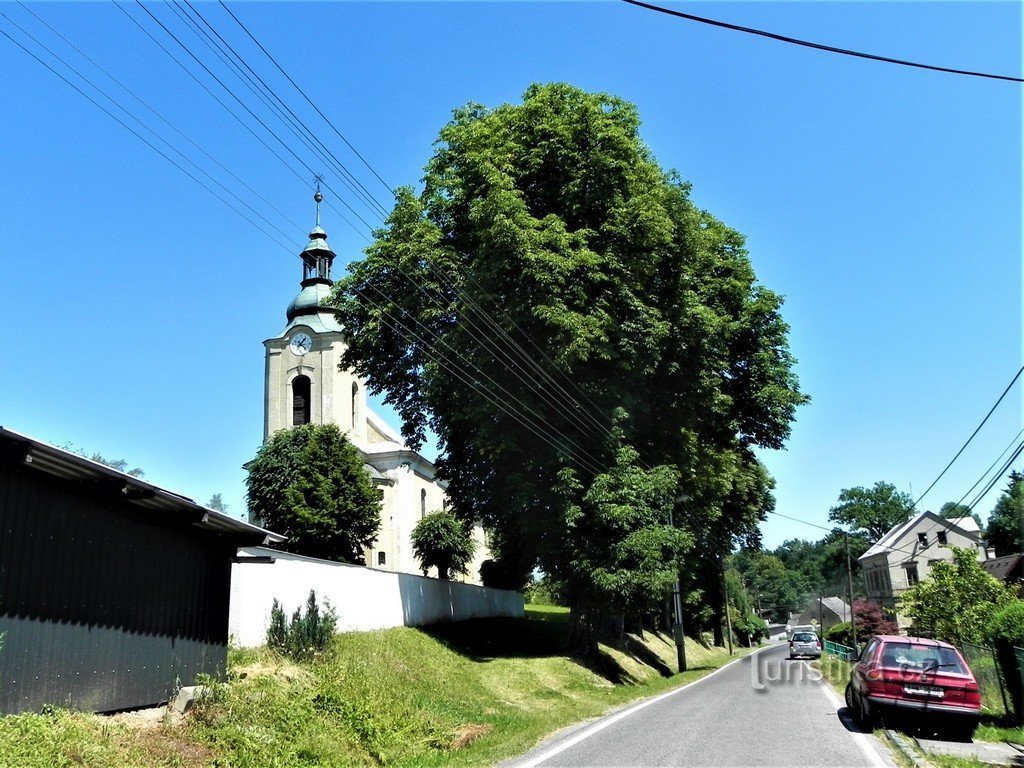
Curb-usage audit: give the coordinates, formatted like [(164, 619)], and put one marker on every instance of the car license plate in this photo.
[(924, 690)]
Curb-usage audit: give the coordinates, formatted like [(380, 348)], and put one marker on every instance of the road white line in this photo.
[(866, 745), (603, 723)]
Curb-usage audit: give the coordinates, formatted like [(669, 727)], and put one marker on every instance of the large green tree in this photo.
[(872, 511), (1005, 529), (551, 280), (310, 484)]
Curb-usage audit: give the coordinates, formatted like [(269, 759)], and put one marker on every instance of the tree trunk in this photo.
[(716, 597), (582, 633)]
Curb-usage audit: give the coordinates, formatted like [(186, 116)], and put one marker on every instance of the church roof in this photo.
[(310, 308)]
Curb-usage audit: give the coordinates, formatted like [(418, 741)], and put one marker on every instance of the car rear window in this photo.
[(921, 657), (805, 637)]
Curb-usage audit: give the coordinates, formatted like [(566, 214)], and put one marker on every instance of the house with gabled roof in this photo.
[(906, 553), (824, 612)]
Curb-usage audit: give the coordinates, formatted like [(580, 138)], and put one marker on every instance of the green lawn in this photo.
[(471, 693)]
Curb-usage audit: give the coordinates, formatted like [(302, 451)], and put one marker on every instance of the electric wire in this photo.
[(230, 111), (157, 114), (143, 125), (245, 29), (973, 434), (592, 464), (136, 133), (246, 107), (818, 46), (258, 86)]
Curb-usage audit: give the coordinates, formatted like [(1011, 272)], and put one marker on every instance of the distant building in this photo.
[(304, 385), (113, 592), (905, 555), (824, 613), (1008, 569)]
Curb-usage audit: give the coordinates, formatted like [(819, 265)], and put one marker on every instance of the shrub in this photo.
[(307, 635), (841, 633), (1008, 624), (749, 629)]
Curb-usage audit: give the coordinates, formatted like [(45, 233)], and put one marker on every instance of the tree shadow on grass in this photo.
[(538, 635)]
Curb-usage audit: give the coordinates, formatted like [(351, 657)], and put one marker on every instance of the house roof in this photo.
[(1003, 568), (167, 506), (967, 525), (838, 606)]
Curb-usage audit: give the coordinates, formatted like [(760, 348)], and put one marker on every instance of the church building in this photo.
[(304, 385)]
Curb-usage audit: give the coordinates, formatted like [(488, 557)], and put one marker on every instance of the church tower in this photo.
[(303, 383)]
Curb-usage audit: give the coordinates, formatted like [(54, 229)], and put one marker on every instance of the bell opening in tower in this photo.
[(300, 400)]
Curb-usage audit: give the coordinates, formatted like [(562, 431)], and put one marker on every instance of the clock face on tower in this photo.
[(300, 344)]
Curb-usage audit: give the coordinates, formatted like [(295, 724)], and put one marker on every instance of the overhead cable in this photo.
[(818, 46)]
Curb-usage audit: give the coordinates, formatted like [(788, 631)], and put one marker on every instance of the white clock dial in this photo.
[(300, 344)]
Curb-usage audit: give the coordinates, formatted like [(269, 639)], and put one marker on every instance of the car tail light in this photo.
[(819, 645), (972, 695)]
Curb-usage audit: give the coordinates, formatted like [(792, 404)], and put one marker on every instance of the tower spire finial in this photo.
[(317, 197)]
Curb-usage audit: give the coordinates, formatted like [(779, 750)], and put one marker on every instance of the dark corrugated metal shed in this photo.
[(113, 592)]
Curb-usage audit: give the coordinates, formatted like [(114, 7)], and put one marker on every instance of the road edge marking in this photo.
[(866, 746), (607, 720)]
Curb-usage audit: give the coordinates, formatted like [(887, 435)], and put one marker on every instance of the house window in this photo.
[(423, 503), (355, 401), (942, 538), (911, 570), (300, 400), (382, 559), (922, 539)]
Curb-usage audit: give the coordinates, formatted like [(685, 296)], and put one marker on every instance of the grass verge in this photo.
[(465, 694)]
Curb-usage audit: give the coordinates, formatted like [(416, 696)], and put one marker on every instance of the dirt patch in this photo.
[(289, 673), (467, 734), (148, 719)]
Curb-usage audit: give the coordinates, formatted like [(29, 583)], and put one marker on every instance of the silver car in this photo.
[(805, 644)]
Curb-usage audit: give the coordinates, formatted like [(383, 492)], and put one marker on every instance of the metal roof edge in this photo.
[(207, 519)]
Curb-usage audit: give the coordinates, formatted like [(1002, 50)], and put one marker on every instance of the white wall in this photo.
[(364, 598)]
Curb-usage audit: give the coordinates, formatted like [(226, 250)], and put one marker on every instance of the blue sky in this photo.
[(884, 203)]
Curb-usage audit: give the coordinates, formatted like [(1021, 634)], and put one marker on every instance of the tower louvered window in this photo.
[(300, 400)]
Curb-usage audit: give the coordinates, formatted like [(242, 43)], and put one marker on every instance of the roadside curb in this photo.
[(905, 749)]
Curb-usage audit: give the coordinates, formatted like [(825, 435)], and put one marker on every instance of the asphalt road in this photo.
[(763, 710)]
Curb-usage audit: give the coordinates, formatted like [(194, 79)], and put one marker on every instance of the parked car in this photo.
[(805, 644), (916, 681)]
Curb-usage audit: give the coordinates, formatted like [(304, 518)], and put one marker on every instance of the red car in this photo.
[(914, 679)]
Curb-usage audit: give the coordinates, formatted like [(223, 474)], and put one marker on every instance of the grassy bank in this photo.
[(471, 693)]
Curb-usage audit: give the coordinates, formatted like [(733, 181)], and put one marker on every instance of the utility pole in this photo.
[(849, 590), (677, 628), (821, 612), (725, 601)]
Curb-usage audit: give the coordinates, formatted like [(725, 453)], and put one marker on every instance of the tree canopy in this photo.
[(957, 601), (440, 540), (872, 511), (1005, 529), (309, 484), (550, 283)]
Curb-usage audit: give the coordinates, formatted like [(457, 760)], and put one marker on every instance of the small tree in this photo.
[(871, 620), (440, 540), (307, 635), (309, 484), (217, 503), (957, 602)]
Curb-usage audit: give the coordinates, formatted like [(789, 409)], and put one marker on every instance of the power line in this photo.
[(303, 93), (969, 439), (133, 131), (818, 46), (244, 106)]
